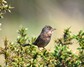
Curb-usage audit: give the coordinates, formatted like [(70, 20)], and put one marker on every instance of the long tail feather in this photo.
[(25, 45)]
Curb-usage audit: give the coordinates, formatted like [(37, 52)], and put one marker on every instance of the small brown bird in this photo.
[(44, 37)]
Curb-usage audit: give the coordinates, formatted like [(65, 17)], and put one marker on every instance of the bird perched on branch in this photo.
[(44, 37)]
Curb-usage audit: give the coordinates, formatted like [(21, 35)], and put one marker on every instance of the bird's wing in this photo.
[(37, 41)]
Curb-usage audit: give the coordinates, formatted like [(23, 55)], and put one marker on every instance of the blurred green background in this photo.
[(35, 14)]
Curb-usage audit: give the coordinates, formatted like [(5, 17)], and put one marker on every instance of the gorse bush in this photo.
[(65, 58), (31, 56), (4, 7), (63, 54), (80, 38)]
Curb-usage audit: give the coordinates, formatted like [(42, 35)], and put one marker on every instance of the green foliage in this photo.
[(80, 38), (65, 58), (66, 39), (31, 56), (4, 7), (63, 54)]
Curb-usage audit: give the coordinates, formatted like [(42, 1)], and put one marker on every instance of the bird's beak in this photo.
[(53, 29)]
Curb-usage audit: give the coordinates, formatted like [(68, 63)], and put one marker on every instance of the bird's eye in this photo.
[(47, 27)]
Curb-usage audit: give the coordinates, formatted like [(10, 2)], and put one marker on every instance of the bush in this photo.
[(4, 7), (31, 56)]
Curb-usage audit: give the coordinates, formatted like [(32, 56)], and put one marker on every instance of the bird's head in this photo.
[(48, 30)]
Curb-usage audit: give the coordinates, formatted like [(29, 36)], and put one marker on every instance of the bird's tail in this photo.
[(25, 45)]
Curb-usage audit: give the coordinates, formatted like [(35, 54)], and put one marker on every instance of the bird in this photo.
[(44, 38)]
